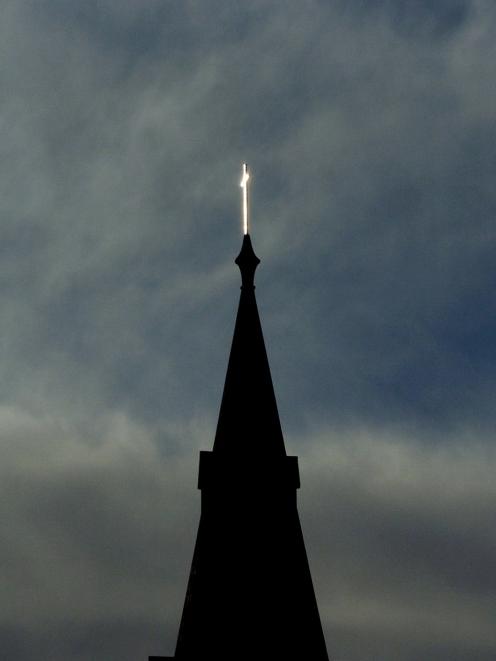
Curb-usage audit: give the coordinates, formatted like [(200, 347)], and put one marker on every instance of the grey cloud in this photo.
[(79, 517), (402, 543), (101, 535), (371, 135)]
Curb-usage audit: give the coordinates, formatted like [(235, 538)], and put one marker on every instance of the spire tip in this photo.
[(247, 262), (245, 175)]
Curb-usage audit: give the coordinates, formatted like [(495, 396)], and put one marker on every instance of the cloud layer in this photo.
[(370, 130)]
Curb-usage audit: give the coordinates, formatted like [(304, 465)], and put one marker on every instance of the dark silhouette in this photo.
[(250, 593)]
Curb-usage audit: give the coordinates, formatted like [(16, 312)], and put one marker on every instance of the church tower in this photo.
[(250, 594)]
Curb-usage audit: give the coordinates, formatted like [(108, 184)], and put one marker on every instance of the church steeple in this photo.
[(248, 418), (250, 595)]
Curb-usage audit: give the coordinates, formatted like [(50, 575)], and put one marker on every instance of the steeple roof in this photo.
[(250, 594), (248, 418)]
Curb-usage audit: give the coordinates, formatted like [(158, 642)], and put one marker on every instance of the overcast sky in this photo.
[(370, 129)]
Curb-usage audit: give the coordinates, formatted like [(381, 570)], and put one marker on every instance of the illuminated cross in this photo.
[(244, 185)]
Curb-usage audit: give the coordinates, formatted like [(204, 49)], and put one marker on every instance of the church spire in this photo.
[(250, 595), (248, 418)]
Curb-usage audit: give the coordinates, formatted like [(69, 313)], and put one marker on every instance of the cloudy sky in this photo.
[(370, 129)]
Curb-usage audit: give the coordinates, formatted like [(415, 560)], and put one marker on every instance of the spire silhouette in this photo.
[(250, 595), (248, 416)]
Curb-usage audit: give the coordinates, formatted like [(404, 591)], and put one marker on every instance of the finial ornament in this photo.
[(246, 260), (245, 175)]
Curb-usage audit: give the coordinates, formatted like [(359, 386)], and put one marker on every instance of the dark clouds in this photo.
[(370, 130)]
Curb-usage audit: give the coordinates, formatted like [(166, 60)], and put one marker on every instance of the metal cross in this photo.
[(244, 185)]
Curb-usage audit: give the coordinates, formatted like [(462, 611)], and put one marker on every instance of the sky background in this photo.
[(370, 130)]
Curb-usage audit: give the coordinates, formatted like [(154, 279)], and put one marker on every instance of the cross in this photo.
[(244, 185)]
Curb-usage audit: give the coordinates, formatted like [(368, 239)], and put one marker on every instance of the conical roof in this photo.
[(250, 594), (248, 418)]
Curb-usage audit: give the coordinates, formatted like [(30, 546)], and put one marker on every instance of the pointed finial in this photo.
[(245, 175), (247, 262)]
